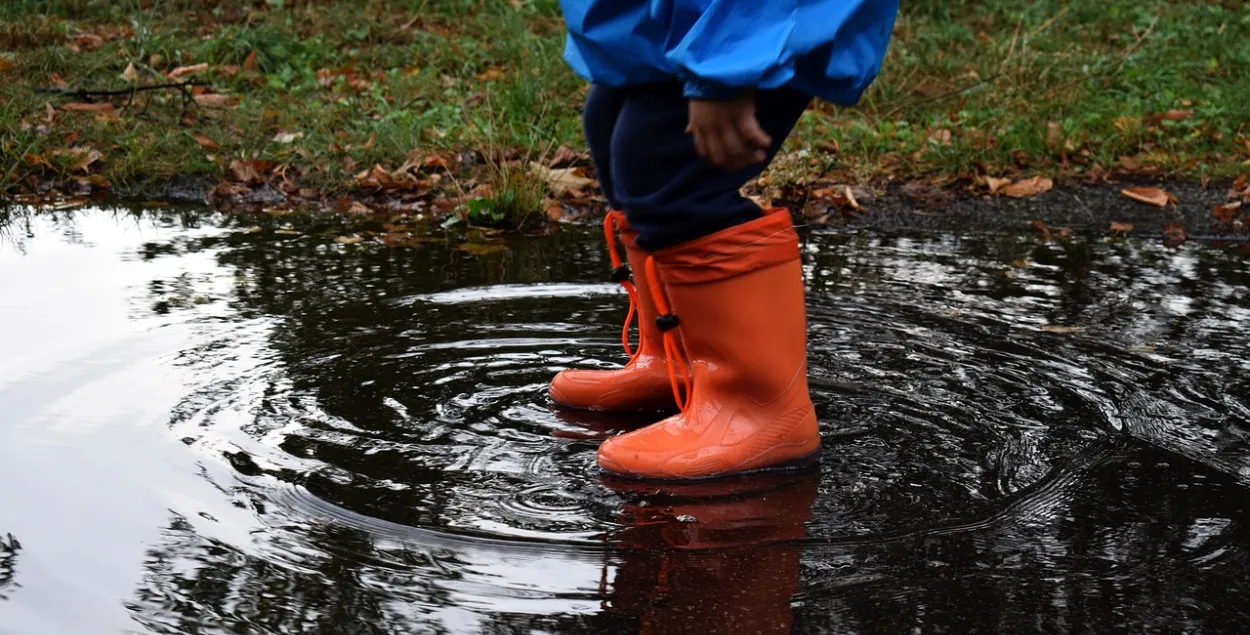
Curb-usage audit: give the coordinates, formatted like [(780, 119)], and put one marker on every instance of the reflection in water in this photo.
[(377, 454), (9, 546), (717, 558)]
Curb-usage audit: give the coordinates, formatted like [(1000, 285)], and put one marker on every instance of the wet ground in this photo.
[(205, 429)]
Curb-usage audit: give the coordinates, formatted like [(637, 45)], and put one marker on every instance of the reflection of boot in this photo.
[(702, 563), (737, 303), (643, 383)]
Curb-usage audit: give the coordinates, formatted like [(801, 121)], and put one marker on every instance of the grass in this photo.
[(995, 87)]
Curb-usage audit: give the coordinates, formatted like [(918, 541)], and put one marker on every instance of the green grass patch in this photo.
[(994, 87)]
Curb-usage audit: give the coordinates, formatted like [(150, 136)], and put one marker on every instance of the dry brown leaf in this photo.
[(82, 158), (229, 70), (1149, 195), (131, 74), (183, 71), (1178, 115), (212, 100), (436, 160), (941, 137), (1173, 235), (250, 65), (287, 137), (348, 240), (249, 171), (554, 210), (562, 180), (1118, 228), (995, 184), (1226, 213), (1042, 230), (1028, 187), (850, 198), (77, 107), (1059, 329), (1240, 189), (564, 157), (1054, 135), (6, 64), (359, 208), (206, 143)]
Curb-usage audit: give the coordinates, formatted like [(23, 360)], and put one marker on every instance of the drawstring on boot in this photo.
[(668, 322), (621, 275)]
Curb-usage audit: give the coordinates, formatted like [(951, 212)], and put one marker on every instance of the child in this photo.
[(690, 100)]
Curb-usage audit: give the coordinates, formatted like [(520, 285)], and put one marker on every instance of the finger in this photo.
[(715, 152), (700, 142), (754, 135), (737, 155)]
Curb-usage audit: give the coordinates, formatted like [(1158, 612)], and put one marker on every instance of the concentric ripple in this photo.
[(1018, 437)]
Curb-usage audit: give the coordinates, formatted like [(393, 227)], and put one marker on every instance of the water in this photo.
[(208, 429)]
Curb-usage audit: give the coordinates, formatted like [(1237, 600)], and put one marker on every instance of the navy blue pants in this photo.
[(648, 166)]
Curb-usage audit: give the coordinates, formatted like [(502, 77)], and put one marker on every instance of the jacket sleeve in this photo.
[(737, 45)]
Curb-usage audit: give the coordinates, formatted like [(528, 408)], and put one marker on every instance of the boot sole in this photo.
[(806, 462)]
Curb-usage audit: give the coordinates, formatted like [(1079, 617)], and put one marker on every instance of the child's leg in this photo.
[(670, 194), (599, 115), (727, 282)]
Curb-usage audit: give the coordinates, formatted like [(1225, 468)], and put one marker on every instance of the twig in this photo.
[(119, 92)]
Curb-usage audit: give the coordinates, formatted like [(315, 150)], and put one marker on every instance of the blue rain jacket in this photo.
[(830, 49)]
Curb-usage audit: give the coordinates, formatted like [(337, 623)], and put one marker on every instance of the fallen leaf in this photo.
[(77, 107), (1129, 164), (996, 184), (212, 100), (564, 157), (250, 65), (941, 137), (254, 229), (481, 249), (348, 240), (287, 137), (562, 180), (229, 70), (1028, 187), (359, 208), (1119, 228), (1020, 264), (1178, 115), (1054, 135), (131, 74), (1240, 188), (70, 138), (850, 198), (83, 158), (831, 146), (182, 71), (1060, 329), (1173, 235), (249, 171), (1042, 230), (6, 64), (554, 211), (1226, 213), (206, 143), (1149, 195)]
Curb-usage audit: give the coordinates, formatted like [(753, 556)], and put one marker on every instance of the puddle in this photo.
[(210, 430)]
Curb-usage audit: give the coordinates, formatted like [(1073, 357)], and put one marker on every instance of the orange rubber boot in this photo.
[(738, 304), (643, 384)]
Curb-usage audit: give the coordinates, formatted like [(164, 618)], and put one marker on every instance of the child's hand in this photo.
[(727, 134)]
